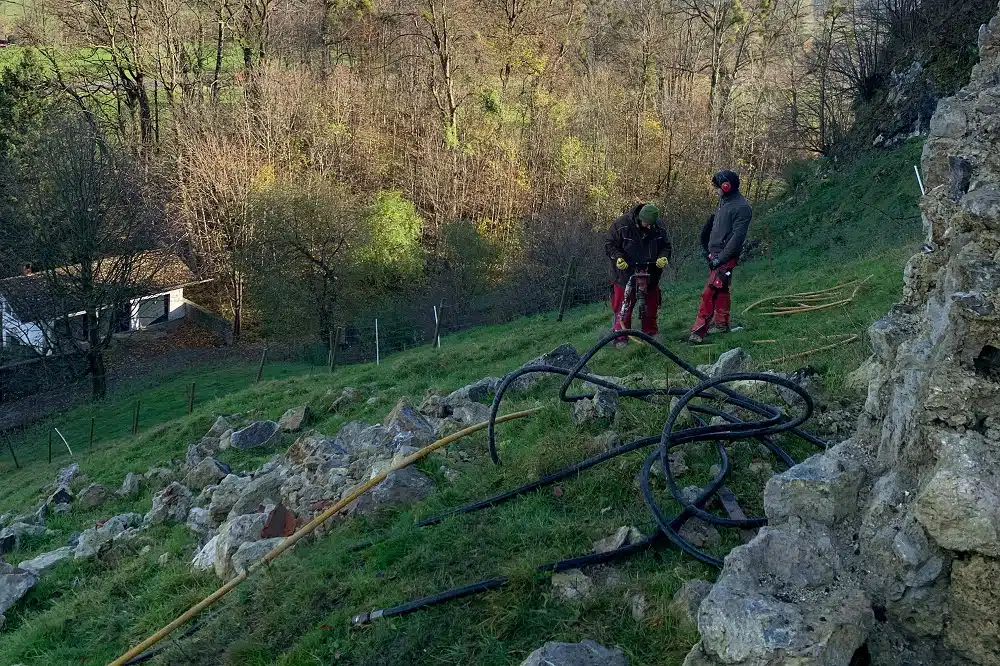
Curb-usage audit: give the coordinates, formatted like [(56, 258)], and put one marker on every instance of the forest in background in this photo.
[(321, 160)]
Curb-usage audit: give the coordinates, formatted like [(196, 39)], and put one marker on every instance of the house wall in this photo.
[(13, 329), (176, 309)]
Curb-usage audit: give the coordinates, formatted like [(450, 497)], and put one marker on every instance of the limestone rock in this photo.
[(10, 536), (170, 505), (700, 534), (46, 561), (204, 560), (974, 626), (130, 486), (261, 490), (476, 391), (206, 473), (200, 522), (572, 585), (233, 534), (858, 380), (249, 553), (294, 419), (587, 653), (756, 628), (226, 495), (97, 540), (62, 495), (688, 598), (400, 488), (625, 536), (14, 584), (159, 478), (164, 559), (92, 497), (734, 360), (256, 435), (821, 488), (406, 426), (67, 475), (638, 605), (601, 408), (347, 397)]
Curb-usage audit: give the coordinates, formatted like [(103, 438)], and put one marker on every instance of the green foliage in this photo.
[(393, 252), (491, 102), (23, 102)]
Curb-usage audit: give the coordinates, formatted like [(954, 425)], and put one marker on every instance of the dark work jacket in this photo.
[(636, 245), (728, 230)]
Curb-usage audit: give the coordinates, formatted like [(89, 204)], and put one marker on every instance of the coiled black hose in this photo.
[(773, 421)]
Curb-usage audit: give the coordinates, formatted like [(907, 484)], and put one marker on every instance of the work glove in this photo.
[(621, 263), (661, 262)]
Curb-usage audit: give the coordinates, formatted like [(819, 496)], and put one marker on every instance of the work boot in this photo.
[(695, 339), (717, 329)]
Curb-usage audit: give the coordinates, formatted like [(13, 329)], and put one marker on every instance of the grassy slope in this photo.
[(299, 612)]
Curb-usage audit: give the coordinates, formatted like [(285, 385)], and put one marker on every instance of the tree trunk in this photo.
[(95, 359)]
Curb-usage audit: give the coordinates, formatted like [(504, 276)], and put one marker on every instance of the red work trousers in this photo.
[(652, 305), (715, 299)]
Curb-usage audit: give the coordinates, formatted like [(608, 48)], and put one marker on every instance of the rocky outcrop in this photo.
[(256, 435), (891, 540), (170, 505), (14, 584)]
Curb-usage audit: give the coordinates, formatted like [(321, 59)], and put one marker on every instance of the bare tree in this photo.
[(91, 223)]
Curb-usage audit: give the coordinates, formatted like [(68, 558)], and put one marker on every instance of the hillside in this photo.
[(836, 225)]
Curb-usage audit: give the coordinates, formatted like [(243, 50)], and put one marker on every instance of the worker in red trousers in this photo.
[(722, 238), (638, 238)]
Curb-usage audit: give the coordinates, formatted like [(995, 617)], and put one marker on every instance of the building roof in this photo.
[(32, 300)]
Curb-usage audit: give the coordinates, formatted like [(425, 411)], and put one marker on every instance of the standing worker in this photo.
[(722, 239), (637, 239)]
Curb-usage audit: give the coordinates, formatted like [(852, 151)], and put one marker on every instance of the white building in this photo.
[(32, 317)]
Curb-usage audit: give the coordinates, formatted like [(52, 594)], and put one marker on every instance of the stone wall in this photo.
[(888, 545)]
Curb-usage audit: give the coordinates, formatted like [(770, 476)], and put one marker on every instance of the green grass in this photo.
[(299, 611)]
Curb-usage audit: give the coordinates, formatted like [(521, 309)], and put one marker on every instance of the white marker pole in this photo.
[(919, 181), (437, 328), (64, 442), (378, 358)]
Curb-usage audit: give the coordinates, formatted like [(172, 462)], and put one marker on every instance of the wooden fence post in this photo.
[(191, 399), (329, 352), (135, 418), (10, 446), (50, 445), (378, 356), (92, 422), (563, 300), (260, 368)]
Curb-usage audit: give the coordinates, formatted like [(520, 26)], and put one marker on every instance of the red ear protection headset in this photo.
[(723, 185)]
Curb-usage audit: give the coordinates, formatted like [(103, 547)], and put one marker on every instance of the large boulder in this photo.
[(587, 653), (294, 419), (206, 473), (475, 392), (14, 584), (688, 599), (973, 628), (256, 435), (170, 505), (233, 534), (158, 478), (92, 497), (46, 561), (400, 488), (226, 495), (822, 488)]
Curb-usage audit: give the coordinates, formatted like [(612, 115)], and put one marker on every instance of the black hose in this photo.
[(772, 421)]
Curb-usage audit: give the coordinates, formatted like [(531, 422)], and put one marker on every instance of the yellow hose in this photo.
[(305, 531)]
